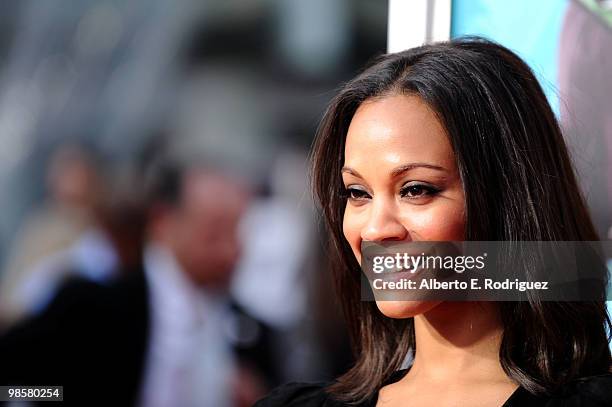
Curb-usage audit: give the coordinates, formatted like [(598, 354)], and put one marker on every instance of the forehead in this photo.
[(396, 130), (207, 192)]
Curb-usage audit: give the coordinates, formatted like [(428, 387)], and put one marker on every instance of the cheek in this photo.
[(444, 221), (351, 227)]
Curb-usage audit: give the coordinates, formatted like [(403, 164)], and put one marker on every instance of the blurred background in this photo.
[(141, 139)]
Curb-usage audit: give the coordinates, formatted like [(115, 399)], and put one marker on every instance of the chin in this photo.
[(405, 309)]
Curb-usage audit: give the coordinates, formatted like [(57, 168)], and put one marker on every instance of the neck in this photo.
[(458, 340)]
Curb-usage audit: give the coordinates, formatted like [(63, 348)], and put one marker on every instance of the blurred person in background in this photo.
[(109, 247), (189, 261), (167, 334), (73, 185)]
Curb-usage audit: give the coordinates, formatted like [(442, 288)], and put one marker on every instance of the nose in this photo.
[(383, 224)]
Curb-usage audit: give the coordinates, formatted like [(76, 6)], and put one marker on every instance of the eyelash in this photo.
[(428, 190)]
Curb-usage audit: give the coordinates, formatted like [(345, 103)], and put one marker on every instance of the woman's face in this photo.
[(403, 183)]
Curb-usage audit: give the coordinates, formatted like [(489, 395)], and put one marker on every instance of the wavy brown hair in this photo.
[(519, 185)]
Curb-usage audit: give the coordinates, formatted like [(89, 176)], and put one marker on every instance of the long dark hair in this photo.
[(519, 186)]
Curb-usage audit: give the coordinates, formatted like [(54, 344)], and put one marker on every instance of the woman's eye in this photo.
[(417, 191), (356, 194)]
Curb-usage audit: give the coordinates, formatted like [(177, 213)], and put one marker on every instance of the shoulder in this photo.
[(78, 291), (298, 394)]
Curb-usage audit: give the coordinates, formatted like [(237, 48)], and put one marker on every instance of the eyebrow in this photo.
[(399, 170)]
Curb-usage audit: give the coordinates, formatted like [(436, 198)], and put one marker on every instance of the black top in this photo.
[(588, 391)]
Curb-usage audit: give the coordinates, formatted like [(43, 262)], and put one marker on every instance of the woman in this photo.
[(453, 141)]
